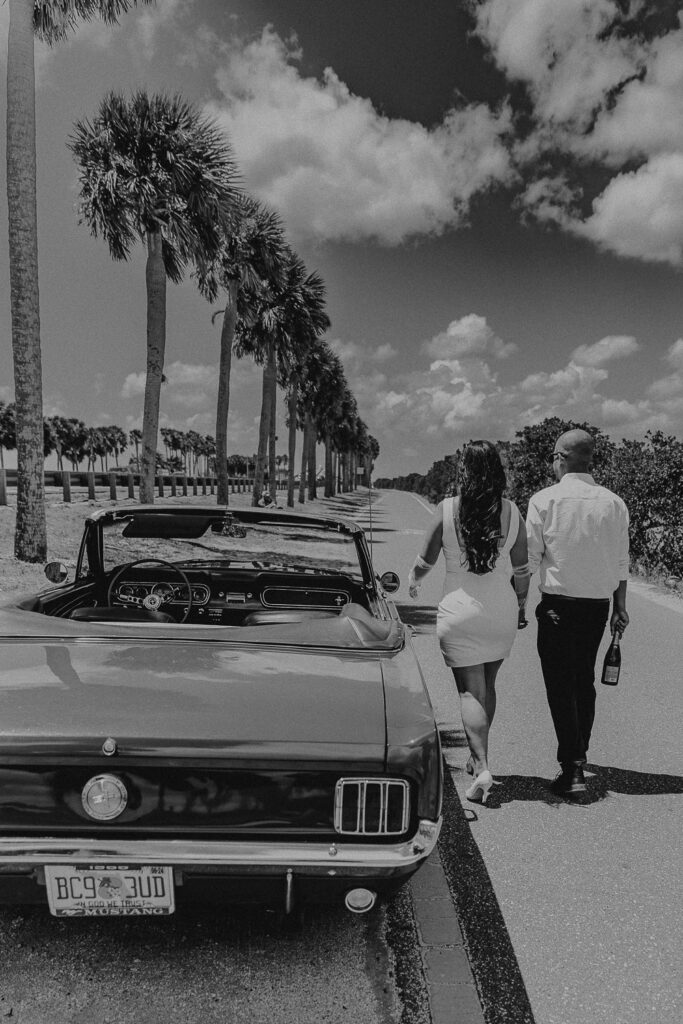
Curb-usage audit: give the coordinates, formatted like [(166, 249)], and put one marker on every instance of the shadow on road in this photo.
[(494, 964), (601, 781)]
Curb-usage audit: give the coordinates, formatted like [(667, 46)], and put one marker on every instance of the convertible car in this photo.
[(220, 705)]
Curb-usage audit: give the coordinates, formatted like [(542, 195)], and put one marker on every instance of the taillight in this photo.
[(371, 807)]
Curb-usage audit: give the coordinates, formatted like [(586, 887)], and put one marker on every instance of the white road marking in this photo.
[(430, 510)]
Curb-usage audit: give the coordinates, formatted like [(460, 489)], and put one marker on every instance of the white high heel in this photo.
[(479, 790)]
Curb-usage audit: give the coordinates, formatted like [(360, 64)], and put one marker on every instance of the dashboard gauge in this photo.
[(165, 591), (127, 590)]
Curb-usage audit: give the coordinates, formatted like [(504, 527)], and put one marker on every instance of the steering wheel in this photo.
[(152, 602)]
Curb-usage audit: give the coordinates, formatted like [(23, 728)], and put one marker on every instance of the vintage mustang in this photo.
[(222, 704)]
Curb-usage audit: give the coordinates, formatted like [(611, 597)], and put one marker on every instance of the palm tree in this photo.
[(252, 251), (51, 21), (309, 321), (136, 437), (153, 169), (287, 316), (320, 380), (8, 434)]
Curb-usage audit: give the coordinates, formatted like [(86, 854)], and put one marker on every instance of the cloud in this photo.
[(675, 354), (473, 394), (334, 167), (355, 355), (186, 383), (383, 353), (641, 214), (166, 14), (614, 346), (468, 336), (593, 84), (600, 91), (133, 385)]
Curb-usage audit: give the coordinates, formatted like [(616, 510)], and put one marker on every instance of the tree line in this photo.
[(647, 474), (153, 171), (185, 451)]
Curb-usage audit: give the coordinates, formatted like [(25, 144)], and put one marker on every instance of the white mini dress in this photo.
[(476, 620)]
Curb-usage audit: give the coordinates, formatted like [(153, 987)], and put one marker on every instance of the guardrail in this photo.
[(173, 482)]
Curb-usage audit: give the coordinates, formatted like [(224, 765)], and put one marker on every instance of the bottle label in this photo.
[(611, 673)]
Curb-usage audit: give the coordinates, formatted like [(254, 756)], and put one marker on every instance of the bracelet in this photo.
[(421, 564)]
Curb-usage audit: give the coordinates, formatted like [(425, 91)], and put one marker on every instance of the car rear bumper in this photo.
[(237, 871), (27, 851)]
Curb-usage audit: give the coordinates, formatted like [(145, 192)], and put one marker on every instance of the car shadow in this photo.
[(600, 781)]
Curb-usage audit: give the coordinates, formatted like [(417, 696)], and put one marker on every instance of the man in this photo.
[(578, 540)]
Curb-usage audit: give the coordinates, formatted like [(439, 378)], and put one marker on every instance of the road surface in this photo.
[(590, 895)]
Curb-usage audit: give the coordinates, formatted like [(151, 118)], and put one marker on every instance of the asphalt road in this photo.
[(588, 896)]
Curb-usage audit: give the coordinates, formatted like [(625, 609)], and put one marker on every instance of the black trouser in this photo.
[(569, 634)]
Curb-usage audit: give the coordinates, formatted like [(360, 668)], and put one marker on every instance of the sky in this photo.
[(492, 192)]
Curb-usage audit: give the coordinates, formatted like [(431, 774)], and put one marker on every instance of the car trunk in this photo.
[(177, 700), (208, 738)]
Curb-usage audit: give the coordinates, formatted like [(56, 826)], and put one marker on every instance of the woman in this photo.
[(483, 538)]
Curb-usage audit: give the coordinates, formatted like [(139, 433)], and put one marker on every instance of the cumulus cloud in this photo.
[(469, 335), (355, 355), (185, 383), (675, 354), (133, 385), (334, 167), (164, 15), (562, 50), (473, 394), (614, 346), (641, 214), (600, 92)]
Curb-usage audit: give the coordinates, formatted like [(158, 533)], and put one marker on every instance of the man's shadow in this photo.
[(600, 782)]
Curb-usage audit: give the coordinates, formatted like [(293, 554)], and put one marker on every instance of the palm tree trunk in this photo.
[(291, 443), (312, 468), (304, 462), (272, 439), (30, 538), (264, 425), (155, 276), (329, 482), (223, 403)]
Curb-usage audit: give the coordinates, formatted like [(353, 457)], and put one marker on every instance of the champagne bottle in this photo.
[(612, 662)]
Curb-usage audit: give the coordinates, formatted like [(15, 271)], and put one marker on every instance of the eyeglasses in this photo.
[(556, 455)]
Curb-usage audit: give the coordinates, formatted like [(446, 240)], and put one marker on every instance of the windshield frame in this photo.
[(91, 556)]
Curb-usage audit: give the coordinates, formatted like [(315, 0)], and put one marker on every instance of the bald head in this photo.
[(577, 447)]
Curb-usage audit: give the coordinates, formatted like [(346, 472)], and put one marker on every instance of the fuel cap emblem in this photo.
[(104, 797)]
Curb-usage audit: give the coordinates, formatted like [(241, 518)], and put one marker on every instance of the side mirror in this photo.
[(390, 582), (56, 572)]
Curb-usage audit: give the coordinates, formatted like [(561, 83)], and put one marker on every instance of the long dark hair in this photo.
[(481, 482)]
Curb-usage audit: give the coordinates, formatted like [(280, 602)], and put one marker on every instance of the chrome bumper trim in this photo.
[(27, 851)]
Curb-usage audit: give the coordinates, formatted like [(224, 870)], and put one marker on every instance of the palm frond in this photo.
[(53, 20), (154, 164)]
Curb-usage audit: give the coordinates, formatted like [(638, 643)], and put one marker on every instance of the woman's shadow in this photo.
[(601, 780)]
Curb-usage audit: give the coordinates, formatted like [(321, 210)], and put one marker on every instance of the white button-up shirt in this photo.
[(578, 538)]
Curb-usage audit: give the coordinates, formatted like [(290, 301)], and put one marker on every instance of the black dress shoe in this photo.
[(570, 781)]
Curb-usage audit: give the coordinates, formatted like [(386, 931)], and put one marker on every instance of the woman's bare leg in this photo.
[(471, 684), (490, 673), (477, 688)]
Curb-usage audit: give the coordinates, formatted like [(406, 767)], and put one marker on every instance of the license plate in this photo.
[(111, 890)]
